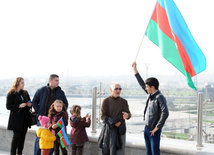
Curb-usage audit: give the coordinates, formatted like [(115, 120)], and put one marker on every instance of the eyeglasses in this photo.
[(117, 88)]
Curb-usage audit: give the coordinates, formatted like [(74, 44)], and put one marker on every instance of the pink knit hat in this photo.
[(43, 120)]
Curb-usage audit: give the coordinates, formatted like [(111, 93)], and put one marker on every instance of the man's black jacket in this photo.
[(159, 110), (110, 136)]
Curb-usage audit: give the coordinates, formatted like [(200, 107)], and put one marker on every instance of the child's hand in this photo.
[(49, 124), (86, 115), (54, 126)]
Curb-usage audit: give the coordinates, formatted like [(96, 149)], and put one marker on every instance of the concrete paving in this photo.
[(4, 152)]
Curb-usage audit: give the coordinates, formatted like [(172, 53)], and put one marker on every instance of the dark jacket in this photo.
[(110, 136), (40, 99), (56, 117), (159, 111), (78, 132), (19, 119)]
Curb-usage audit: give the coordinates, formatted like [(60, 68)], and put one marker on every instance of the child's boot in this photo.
[(79, 150)]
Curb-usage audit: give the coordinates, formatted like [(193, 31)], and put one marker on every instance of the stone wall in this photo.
[(134, 145)]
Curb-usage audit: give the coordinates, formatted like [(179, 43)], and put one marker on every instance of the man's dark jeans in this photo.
[(152, 142)]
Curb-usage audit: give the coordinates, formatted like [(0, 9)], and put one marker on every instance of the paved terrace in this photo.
[(134, 144)]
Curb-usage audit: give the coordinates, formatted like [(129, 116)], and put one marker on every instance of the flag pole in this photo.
[(138, 51), (140, 45)]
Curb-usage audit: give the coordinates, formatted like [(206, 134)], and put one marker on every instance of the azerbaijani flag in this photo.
[(60, 123), (64, 141), (168, 30)]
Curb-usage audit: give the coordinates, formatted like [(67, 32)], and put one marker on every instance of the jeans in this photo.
[(18, 140), (152, 142)]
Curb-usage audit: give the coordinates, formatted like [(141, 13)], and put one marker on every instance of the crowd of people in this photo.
[(51, 105)]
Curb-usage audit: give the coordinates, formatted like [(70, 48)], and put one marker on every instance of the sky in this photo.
[(91, 37)]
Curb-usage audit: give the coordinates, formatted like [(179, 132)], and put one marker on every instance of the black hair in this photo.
[(152, 82), (53, 76)]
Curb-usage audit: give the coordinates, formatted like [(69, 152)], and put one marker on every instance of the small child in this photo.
[(46, 141), (56, 112), (78, 132)]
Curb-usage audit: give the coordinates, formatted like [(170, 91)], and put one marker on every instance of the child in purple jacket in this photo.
[(78, 132)]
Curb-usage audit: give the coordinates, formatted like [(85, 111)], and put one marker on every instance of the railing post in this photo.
[(200, 119), (94, 107)]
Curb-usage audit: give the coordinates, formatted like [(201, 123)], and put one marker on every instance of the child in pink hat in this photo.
[(46, 141)]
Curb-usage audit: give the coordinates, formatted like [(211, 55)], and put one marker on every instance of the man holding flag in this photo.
[(168, 30), (155, 113)]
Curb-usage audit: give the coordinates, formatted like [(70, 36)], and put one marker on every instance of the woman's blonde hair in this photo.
[(15, 85)]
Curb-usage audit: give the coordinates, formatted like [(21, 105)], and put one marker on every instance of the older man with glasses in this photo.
[(114, 112)]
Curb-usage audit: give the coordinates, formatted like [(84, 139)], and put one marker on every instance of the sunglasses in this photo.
[(117, 88)]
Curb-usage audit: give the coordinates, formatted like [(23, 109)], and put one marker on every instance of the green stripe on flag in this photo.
[(59, 125), (63, 145), (60, 136), (168, 49)]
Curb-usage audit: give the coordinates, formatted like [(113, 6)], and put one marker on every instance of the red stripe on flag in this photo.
[(61, 132), (64, 141), (161, 18), (60, 122)]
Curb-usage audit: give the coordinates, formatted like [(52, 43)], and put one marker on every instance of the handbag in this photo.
[(34, 118)]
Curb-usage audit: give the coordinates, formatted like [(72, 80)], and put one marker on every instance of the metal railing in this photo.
[(200, 102), (200, 119), (94, 113), (96, 95)]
